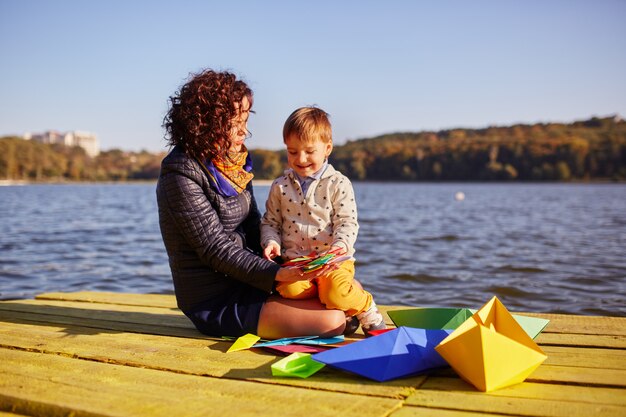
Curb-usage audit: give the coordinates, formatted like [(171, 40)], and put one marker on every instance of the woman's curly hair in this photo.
[(201, 112)]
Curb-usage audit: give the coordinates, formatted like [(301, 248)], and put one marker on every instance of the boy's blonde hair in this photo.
[(308, 124)]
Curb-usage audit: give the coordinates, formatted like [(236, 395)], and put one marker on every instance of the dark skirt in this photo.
[(233, 314)]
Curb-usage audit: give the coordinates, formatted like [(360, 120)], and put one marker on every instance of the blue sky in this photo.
[(377, 67)]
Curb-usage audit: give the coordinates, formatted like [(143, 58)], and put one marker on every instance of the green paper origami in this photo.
[(451, 318), (296, 365)]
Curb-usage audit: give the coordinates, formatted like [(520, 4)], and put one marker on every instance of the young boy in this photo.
[(312, 209)]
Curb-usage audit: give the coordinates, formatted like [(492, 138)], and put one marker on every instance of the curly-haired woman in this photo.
[(210, 221)]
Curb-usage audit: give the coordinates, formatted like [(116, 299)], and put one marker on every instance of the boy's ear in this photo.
[(329, 148)]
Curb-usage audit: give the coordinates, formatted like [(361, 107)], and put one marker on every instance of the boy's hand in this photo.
[(271, 251), (337, 250)]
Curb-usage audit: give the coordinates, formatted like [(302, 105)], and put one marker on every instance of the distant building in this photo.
[(87, 141)]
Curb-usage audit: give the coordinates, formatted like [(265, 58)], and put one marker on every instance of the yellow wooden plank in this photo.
[(412, 411), (559, 323), (525, 399), (9, 414), (99, 325), (588, 340), (40, 384), (190, 356), (585, 357), (146, 300), (566, 375), (579, 375), (105, 312), (569, 323), (100, 309), (587, 366), (529, 390)]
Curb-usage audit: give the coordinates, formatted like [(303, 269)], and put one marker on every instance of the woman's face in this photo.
[(239, 130)]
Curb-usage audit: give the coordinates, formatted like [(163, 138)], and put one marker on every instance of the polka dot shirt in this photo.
[(326, 216)]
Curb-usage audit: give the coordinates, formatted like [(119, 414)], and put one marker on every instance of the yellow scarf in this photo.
[(232, 169)]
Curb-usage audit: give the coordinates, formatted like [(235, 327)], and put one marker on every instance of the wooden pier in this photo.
[(112, 354)]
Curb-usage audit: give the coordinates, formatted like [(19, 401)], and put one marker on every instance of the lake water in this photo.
[(538, 247)]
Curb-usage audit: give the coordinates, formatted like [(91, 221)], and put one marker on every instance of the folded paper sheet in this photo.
[(398, 353), (283, 342), (296, 365), (303, 340), (322, 340), (289, 349), (244, 342), (491, 350), (451, 318)]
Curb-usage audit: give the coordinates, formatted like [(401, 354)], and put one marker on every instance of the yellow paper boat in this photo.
[(490, 350)]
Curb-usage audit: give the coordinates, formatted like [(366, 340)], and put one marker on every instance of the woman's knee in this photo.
[(336, 321), (286, 318)]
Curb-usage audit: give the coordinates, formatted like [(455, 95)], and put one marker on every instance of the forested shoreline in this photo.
[(593, 149)]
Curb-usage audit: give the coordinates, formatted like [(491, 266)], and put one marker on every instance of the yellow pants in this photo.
[(336, 290)]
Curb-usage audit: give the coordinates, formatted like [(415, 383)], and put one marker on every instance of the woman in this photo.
[(210, 221)]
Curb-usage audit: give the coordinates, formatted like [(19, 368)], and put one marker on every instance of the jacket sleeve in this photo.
[(345, 224), (252, 225), (272, 219), (198, 222)]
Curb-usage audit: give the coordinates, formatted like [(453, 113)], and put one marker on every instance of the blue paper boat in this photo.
[(395, 354)]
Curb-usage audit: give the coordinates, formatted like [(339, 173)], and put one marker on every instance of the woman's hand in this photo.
[(293, 273), (271, 251)]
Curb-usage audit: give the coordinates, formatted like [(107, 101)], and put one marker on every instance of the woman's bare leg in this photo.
[(282, 317)]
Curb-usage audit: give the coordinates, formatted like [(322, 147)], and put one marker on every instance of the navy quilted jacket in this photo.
[(209, 239)]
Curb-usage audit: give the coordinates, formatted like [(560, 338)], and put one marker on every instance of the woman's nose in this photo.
[(242, 130)]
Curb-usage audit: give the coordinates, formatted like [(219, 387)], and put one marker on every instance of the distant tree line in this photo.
[(29, 160), (587, 150)]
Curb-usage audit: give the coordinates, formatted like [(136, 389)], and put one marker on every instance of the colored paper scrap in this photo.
[(379, 332), (394, 354), (244, 342), (289, 349), (533, 326), (451, 318), (297, 364), (303, 340), (322, 340), (313, 261), (284, 341), (491, 350)]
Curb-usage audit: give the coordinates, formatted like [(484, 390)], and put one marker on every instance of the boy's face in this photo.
[(306, 158)]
